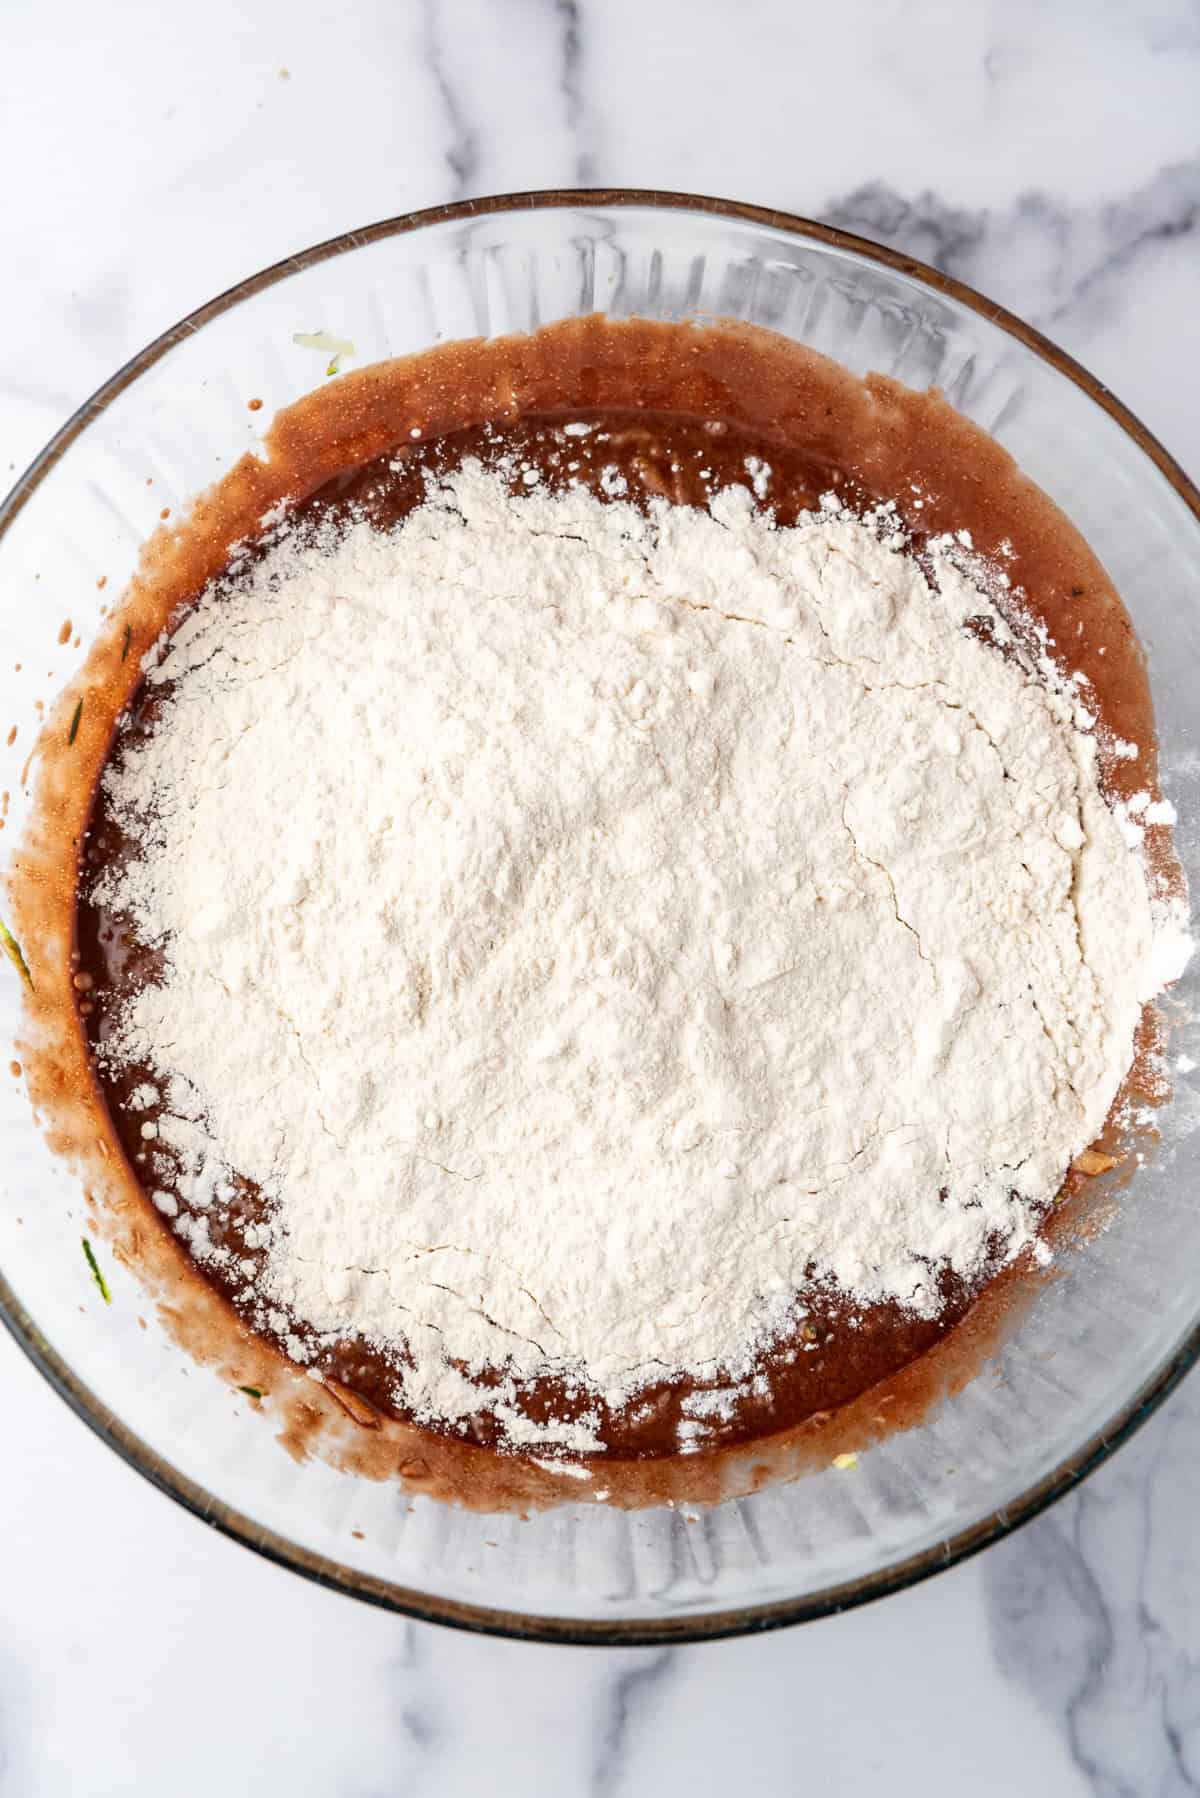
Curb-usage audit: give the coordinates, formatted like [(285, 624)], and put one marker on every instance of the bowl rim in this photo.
[(323, 1570)]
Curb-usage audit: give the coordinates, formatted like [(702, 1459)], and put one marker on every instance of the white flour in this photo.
[(586, 928)]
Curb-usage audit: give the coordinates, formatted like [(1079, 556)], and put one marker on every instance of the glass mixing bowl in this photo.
[(1095, 1352)]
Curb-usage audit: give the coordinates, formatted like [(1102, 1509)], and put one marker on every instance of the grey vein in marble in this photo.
[(1037, 255), (462, 154), (570, 12), (475, 122), (421, 1723), (1095, 1610), (632, 1693)]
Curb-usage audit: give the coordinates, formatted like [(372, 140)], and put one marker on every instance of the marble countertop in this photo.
[(1048, 152)]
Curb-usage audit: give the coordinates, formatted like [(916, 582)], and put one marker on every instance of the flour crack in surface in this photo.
[(641, 894)]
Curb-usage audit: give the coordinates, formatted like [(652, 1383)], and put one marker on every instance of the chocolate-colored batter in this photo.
[(675, 411)]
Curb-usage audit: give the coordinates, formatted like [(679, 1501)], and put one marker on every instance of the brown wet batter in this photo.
[(677, 411)]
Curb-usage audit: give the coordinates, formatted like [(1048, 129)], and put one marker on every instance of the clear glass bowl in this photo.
[(1095, 1353)]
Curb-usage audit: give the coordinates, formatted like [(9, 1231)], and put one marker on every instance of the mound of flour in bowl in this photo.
[(589, 928)]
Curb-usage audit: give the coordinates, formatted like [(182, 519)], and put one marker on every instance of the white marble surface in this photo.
[(1047, 151)]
